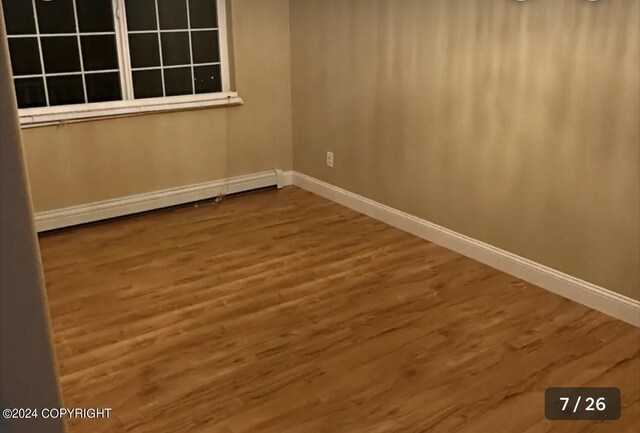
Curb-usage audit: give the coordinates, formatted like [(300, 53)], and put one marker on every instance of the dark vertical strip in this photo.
[(28, 371)]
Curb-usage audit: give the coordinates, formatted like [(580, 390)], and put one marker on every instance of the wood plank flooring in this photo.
[(281, 312)]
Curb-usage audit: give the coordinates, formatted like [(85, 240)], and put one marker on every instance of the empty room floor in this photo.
[(280, 311)]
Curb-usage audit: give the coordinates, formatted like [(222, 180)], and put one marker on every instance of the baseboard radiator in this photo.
[(86, 213)]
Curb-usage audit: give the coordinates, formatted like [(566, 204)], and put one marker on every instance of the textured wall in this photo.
[(86, 162), (515, 123)]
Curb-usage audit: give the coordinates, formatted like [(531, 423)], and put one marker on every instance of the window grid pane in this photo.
[(56, 16), (58, 37), (19, 17), (186, 55), (30, 92), (25, 56), (95, 16), (144, 50), (204, 13), (176, 44), (172, 14), (60, 54), (175, 48), (103, 87), (66, 89)]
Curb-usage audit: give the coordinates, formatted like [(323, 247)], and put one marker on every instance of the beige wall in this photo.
[(513, 123), (99, 160)]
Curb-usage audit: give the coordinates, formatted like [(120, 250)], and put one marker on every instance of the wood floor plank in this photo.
[(282, 312)]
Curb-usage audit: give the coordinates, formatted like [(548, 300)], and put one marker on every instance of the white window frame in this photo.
[(42, 116)]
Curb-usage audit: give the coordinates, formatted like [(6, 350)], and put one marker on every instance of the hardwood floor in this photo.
[(283, 312)]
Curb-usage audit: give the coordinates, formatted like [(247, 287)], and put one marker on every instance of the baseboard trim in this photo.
[(287, 177), (82, 214), (583, 292)]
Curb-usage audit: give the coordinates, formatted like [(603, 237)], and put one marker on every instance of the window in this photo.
[(91, 58)]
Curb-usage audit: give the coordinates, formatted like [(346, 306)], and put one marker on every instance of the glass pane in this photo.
[(25, 56), (30, 92), (172, 14), (18, 17), (177, 81), (203, 13), (175, 48), (205, 46), (207, 79), (65, 90), (60, 54), (144, 50), (99, 52), (56, 16), (141, 14), (94, 15), (147, 84), (103, 87)]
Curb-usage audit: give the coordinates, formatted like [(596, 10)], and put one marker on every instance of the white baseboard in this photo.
[(75, 215), (598, 298), (287, 177)]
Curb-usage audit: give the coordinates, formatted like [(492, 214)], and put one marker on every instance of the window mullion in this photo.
[(122, 44), (223, 42), (164, 91), (84, 81), (44, 74), (193, 81)]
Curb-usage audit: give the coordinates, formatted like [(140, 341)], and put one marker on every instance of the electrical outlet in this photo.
[(330, 159)]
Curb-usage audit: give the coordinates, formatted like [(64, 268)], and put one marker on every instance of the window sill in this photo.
[(45, 116)]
